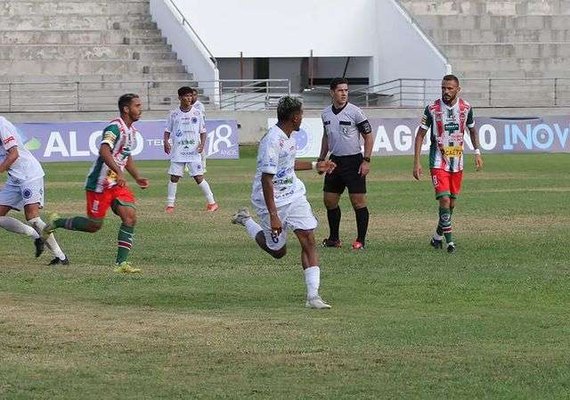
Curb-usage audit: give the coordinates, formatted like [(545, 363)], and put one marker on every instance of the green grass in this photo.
[(212, 316)]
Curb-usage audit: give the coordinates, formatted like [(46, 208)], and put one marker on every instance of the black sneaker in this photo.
[(40, 245), (436, 244), (331, 243), (451, 248), (57, 261)]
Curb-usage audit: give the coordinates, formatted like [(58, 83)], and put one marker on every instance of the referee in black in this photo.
[(344, 126)]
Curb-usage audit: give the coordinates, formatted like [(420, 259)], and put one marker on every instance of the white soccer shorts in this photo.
[(18, 195), (296, 215), (194, 168)]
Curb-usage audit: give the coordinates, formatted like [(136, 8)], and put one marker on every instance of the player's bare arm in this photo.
[(417, 172), (268, 195), (133, 171), (203, 137), (324, 146), (11, 157), (325, 166), (368, 145), (475, 140), (107, 156), (166, 140)]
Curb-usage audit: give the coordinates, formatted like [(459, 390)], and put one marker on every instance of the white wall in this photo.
[(386, 45), (273, 28), (401, 50)]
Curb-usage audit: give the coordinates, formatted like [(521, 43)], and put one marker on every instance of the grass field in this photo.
[(212, 316)]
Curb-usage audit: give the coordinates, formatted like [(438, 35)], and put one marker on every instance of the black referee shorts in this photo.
[(345, 175)]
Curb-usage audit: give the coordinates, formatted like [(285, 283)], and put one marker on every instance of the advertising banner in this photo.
[(395, 136), (78, 141)]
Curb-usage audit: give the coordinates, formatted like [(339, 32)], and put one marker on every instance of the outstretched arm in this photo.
[(321, 166)]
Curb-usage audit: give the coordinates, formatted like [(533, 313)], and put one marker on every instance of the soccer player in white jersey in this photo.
[(448, 119), (279, 199), (345, 127), (24, 188), (185, 126), (106, 185), (198, 104)]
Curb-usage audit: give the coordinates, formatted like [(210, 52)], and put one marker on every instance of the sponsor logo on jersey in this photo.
[(9, 139)]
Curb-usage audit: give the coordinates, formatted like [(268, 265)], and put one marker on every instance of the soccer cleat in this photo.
[(212, 207), (317, 303), (169, 209), (40, 245), (241, 216), (436, 244), (331, 243), (57, 261), (451, 247), (126, 268), (356, 245)]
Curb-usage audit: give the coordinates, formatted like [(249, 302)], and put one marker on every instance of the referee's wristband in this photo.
[(477, 152)]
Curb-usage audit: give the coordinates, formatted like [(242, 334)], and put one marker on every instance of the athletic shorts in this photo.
[(17, 195), (446, 183), (99, 203), (296, 215), (345, 175), (194, 168)]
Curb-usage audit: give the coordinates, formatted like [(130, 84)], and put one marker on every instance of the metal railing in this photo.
[(77, 96), (263, 94), (481, 92)]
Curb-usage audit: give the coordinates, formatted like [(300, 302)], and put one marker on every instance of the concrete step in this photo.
[(74, 52), (514, 67), (91, 67), (465, 36), (506, 50), (75, 22), (84, 37), (480, 7), (492, 22), (64, 7), (112, 78)]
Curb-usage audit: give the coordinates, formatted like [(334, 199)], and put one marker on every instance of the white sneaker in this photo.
[(317, 302), (241, 216)]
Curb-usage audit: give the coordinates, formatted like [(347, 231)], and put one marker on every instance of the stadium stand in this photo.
[(83, 54), (515, 42)]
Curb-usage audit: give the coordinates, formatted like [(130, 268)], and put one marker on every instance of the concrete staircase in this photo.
[(83, 54), (526, 41)]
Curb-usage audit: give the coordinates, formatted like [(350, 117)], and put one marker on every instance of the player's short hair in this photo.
[(194, 91), (337, 81), (184, 90), (451, 77), (287, 107), (125, 100)]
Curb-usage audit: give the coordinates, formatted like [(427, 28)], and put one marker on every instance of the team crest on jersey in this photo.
[(178, 133), (27, 193), (194, 120)]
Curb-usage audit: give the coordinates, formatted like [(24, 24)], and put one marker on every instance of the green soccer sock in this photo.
[(124, 242), (445, 223), (72, 224)]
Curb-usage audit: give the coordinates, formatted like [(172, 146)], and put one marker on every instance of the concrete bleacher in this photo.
[(526, 41), (113, 45)]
